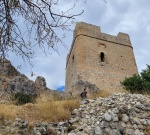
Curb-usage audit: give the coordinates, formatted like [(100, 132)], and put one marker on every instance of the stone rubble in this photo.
[(119, 114), (22, 127)]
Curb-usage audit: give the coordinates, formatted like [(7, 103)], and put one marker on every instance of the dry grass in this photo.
[(49, 111), (103, 94), (8, 111), (44, 97), (44, 110), (144, 92)]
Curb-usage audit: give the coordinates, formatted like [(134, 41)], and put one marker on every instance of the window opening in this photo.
[(102, 57), (73, 58)]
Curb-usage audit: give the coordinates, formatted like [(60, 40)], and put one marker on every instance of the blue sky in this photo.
[(127, 16), (60, 88)]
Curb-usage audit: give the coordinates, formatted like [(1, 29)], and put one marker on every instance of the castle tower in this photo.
[(99, 58)]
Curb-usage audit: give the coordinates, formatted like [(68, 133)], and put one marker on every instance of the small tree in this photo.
[(138, 83)]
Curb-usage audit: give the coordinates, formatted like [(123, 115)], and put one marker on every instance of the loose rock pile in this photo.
[(22, 127), (119, 114)]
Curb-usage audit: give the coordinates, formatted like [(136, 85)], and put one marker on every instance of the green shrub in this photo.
[(22, 98), (145, 74), (138, 83), (133, 83)]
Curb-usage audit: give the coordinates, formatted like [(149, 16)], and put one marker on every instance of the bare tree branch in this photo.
[(25, 24), (39, 20)]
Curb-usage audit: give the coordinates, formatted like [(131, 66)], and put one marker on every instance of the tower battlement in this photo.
[(95, 32)]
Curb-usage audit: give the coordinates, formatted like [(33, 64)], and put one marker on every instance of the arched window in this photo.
[(102, 57)]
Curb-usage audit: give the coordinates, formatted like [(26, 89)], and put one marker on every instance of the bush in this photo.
[(22, 98), (138, 83), (133, 83)]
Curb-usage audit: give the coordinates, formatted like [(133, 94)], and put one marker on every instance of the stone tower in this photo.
[(99, 58)]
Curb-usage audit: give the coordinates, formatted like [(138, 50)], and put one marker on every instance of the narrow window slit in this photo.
[(73, 58), (102, 57)]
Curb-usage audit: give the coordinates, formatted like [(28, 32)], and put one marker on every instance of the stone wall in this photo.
[(71, 72), (101, 59)]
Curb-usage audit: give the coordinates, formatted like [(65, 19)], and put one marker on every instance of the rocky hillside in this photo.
[(12, 81)]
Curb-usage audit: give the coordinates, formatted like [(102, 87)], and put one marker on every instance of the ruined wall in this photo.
[(102, 59)]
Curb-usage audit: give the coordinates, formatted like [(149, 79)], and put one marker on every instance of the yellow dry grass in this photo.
[(103, 94), (44, 97), (45, 109), (8, 111), (48, 111)]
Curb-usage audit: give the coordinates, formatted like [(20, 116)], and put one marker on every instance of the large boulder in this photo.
[(40, 83), (81, 85)]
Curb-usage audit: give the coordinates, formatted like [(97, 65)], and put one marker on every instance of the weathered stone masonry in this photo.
[(99, 58)]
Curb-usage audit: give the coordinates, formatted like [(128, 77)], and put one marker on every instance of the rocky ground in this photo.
[(119, 114)]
